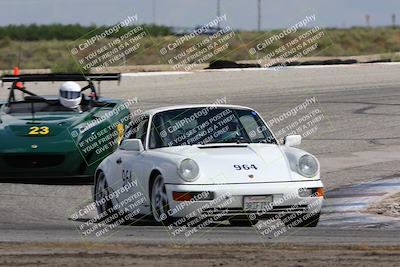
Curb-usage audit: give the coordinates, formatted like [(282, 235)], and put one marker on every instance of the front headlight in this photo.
[(188, 170), (308, 166)]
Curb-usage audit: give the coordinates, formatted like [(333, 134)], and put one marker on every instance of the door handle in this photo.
[(119, 161)]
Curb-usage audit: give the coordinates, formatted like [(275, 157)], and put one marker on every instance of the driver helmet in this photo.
[(70, 95)]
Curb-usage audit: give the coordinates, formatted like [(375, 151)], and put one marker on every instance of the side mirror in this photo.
[(292, 140), (132, 145)]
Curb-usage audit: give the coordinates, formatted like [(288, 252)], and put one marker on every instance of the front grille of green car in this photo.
[(34, 161)]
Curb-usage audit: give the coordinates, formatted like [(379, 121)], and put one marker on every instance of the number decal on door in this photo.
[(126, 177)]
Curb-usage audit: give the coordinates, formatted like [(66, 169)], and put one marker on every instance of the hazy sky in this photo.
[(187, 13)]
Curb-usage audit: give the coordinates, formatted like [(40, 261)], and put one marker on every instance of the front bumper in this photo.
[(49, 180), (54, 166), (228, 200)]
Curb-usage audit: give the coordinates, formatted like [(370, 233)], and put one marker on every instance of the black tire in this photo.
[(101, 190), (299, 221), (159, 201)]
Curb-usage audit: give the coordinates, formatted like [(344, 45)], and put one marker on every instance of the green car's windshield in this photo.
[(207, 126), (28, 107)]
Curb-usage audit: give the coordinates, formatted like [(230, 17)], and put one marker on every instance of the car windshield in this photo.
[(24, 107), (47, 105), (209, 125)]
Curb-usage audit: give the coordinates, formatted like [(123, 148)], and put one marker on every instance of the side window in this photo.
[(138, 130), (142, 132)]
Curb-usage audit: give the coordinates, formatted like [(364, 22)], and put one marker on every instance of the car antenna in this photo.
[(99, 89), (33, 111)]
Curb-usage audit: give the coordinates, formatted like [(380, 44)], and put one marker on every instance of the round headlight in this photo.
[(308, 166), (188, 170)]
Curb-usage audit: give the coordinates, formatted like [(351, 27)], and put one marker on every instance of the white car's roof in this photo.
[(162, 109)]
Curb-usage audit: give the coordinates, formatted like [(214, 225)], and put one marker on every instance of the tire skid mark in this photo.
[(346, 207), (363, 111)]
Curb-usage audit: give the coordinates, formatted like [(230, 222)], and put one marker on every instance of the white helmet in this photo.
[(70, 95)]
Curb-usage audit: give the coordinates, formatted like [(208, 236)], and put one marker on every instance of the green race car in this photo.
[(43, 138)]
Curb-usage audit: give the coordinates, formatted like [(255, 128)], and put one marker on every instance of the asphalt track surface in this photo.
[(358, 142)]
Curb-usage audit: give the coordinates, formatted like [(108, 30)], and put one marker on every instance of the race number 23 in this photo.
[(43, 130)]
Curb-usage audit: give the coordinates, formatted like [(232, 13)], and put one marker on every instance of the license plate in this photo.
[(257, 202)]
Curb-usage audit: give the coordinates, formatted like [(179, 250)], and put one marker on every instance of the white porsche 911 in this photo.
[(198, 160)]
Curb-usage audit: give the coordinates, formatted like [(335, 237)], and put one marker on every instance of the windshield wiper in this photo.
[(265, 140), (237, 139)]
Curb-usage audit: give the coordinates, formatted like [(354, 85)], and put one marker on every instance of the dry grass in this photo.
[(55, 54)]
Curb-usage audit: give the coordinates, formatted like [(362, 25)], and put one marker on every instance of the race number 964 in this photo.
[(245, 167)]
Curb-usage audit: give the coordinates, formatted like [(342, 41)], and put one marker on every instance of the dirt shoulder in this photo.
[(51, 254), (390, 206)]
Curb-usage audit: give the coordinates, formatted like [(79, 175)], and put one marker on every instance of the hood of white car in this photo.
[(237, 163)]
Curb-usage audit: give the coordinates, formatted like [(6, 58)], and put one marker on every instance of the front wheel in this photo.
[(159, 201), (101, 191)]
